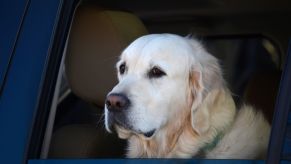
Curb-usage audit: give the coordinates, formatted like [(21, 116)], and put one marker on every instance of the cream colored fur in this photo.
[(189, 107)]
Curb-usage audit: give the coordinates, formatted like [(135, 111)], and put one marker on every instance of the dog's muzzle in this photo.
[(117, 105)]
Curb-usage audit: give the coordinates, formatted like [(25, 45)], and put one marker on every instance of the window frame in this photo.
[(41, 122), (282, 116)]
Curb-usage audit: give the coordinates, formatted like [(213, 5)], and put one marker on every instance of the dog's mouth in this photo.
[(121, 122), (149, 134)]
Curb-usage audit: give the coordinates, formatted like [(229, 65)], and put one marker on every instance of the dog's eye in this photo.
[(156, 72), (122, 68)]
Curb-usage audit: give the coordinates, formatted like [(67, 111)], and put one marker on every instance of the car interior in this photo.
[(248, 38)]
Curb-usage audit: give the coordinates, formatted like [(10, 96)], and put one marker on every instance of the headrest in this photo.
[(97, 38)]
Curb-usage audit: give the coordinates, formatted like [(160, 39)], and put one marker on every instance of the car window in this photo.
[(252, 66), (245, 60), (8, 31)]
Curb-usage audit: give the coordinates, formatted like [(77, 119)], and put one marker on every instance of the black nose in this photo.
[(117, 102)]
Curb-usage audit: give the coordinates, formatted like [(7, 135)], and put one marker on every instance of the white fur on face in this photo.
[(154, 101)]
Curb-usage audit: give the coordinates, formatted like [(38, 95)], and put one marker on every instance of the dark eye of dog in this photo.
[(122, 68), (156, 72)]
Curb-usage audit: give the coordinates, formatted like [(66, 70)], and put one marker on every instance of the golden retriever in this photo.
[(172, 102)]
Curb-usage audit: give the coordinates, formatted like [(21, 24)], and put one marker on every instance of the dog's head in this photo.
[(160, 75)]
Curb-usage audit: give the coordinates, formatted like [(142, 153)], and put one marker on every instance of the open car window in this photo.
[(252, 65)]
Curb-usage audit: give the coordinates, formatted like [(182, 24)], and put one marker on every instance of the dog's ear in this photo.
[(205, 77), (199, 115)]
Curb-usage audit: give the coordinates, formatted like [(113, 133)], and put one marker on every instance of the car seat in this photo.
[(97, 37)]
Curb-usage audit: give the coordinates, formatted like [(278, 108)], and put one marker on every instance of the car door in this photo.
[(11, 16), (27, 33)]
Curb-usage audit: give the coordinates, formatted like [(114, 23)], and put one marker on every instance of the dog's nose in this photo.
[(117, 102)]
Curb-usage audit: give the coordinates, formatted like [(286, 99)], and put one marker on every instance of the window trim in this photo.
[(282, 108), (49, 82)]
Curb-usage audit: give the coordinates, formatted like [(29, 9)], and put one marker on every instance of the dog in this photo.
[(172, 102)]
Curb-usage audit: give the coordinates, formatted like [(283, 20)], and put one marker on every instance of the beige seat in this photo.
[(97, 38)]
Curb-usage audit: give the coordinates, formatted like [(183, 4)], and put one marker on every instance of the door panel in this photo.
[(11, 15)]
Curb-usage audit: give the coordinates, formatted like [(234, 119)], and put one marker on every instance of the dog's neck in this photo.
[(178, 139)]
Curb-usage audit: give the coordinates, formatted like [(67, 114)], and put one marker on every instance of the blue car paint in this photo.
[(286, 98), (280, 139), (19, 97), (11, 15)]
